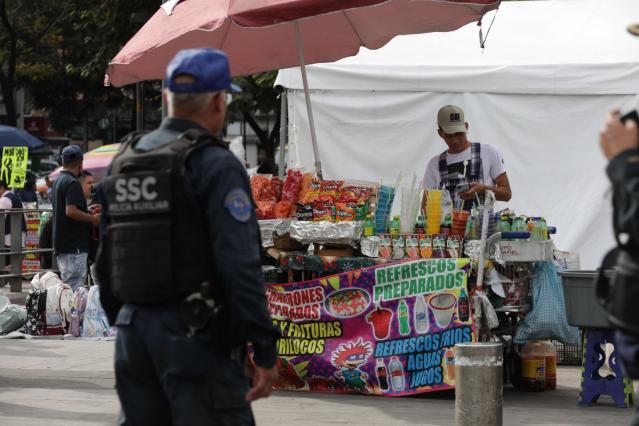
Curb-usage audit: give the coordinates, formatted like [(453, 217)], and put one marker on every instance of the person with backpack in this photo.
[(179, 263)]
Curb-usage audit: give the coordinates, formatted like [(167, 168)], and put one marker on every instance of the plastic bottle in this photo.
[(402, 317), (397, 374), (533, 367), (419, 226), (369, 226), (551, 364), (420, 315), (519, 225), (504, 224), (394, 226), (543, 230), (382, 374), (463, 306)]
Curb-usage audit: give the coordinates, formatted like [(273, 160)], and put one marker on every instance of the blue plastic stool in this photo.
[(593, 385)]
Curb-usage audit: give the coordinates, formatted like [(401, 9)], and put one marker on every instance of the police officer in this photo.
[(179, 263)]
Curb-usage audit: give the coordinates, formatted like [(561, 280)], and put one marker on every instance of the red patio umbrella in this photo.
[(261, 35)]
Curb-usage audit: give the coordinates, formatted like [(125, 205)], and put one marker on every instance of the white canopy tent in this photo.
[(539, 91)]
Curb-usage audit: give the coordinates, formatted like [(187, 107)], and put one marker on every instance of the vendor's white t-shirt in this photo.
[(492, 164)]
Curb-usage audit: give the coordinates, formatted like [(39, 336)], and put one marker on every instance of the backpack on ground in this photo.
[(36, 306), (44, 280), (78, 308), (58, 309)]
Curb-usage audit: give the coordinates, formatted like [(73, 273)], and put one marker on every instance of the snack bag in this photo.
[(412, 246), (345, 212), (283, 209), (307, 180), (261, 188), (292, 185), (453, 246), (312, 192), (439, 247), (304, 212), (385, 246), (329, 189), (265, 210), (276, 187), (426, 246), (322, 212)]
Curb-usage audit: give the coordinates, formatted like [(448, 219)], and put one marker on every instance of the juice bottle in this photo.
[(419, 226), (382, 374), (394, 226), (551, 364), (402, 317), (397, 374), (533, 367), (519, 225), (463, 306), (369, 226), (543, 229), (449, 358)]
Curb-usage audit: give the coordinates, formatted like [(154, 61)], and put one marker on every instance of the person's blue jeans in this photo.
[(73, 268)]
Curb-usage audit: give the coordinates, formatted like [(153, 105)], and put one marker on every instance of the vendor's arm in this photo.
[(501, 189), (73, 198), (223, 189)]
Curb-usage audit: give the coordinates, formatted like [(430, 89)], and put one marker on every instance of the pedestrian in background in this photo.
[(179, 263), (71, 220)]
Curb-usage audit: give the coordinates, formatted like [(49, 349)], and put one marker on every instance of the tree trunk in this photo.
[(8, 79)]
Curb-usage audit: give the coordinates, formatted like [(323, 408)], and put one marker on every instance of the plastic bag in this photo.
[(548, 318), (12, 318), (292, 186), (95, 322)]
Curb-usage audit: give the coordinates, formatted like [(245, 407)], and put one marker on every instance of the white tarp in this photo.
[(539, 91)]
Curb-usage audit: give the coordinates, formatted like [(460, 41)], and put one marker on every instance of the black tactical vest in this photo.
[(159, 245)]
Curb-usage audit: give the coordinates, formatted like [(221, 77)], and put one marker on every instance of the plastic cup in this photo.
[(443, 306), (460, 217)]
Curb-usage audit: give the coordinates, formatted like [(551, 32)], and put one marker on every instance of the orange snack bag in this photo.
[(412, 246), (385, 246)]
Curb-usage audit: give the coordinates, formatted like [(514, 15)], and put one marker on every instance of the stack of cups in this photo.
[(384, 203), (433, 211), (460, 217)]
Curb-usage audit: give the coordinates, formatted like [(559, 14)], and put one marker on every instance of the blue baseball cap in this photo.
[(71, 154), (209, 68)]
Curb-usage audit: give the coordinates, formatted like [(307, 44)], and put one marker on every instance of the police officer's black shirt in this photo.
[(69, 236), (213, 175)]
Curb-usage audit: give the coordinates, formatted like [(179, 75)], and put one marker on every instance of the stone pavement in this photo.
[(70, 382)]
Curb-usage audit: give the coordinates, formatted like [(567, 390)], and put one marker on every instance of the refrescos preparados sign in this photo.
[(386, 330)]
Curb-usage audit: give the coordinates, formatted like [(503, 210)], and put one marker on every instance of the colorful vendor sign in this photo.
[(384, 330)]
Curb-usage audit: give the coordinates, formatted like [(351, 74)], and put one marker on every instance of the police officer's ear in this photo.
[(218, 102)]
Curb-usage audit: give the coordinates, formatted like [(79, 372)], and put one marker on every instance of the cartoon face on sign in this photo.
[(348, 357)]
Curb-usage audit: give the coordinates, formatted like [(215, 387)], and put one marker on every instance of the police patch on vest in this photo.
[(239, 205), (139, 193)]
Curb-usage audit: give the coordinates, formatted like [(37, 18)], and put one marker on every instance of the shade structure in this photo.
[(259, 35), (96, 161), (12, 136)]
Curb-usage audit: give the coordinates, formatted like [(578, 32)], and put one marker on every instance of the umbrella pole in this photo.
[(307, 97)]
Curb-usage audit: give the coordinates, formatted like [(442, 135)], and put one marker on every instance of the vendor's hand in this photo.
[(263, 380), (475, 188), (95, 220), (616, 137)]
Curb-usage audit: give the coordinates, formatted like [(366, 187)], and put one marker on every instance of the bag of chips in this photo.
[(292, 185), (276, 187), (261, 188), (345, 212), (329, 190), (425, 246), (304, 212), (322, 212), (283, 209), (265, 210), (412, 246)]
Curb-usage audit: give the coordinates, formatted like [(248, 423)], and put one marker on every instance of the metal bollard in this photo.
[(479, 384)]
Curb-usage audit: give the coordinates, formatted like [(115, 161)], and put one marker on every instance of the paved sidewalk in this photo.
[(56, 382)]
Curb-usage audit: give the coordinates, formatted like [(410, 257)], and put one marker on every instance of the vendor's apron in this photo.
[(449, 181)]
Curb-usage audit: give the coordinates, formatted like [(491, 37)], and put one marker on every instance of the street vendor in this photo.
[(466, 168)]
